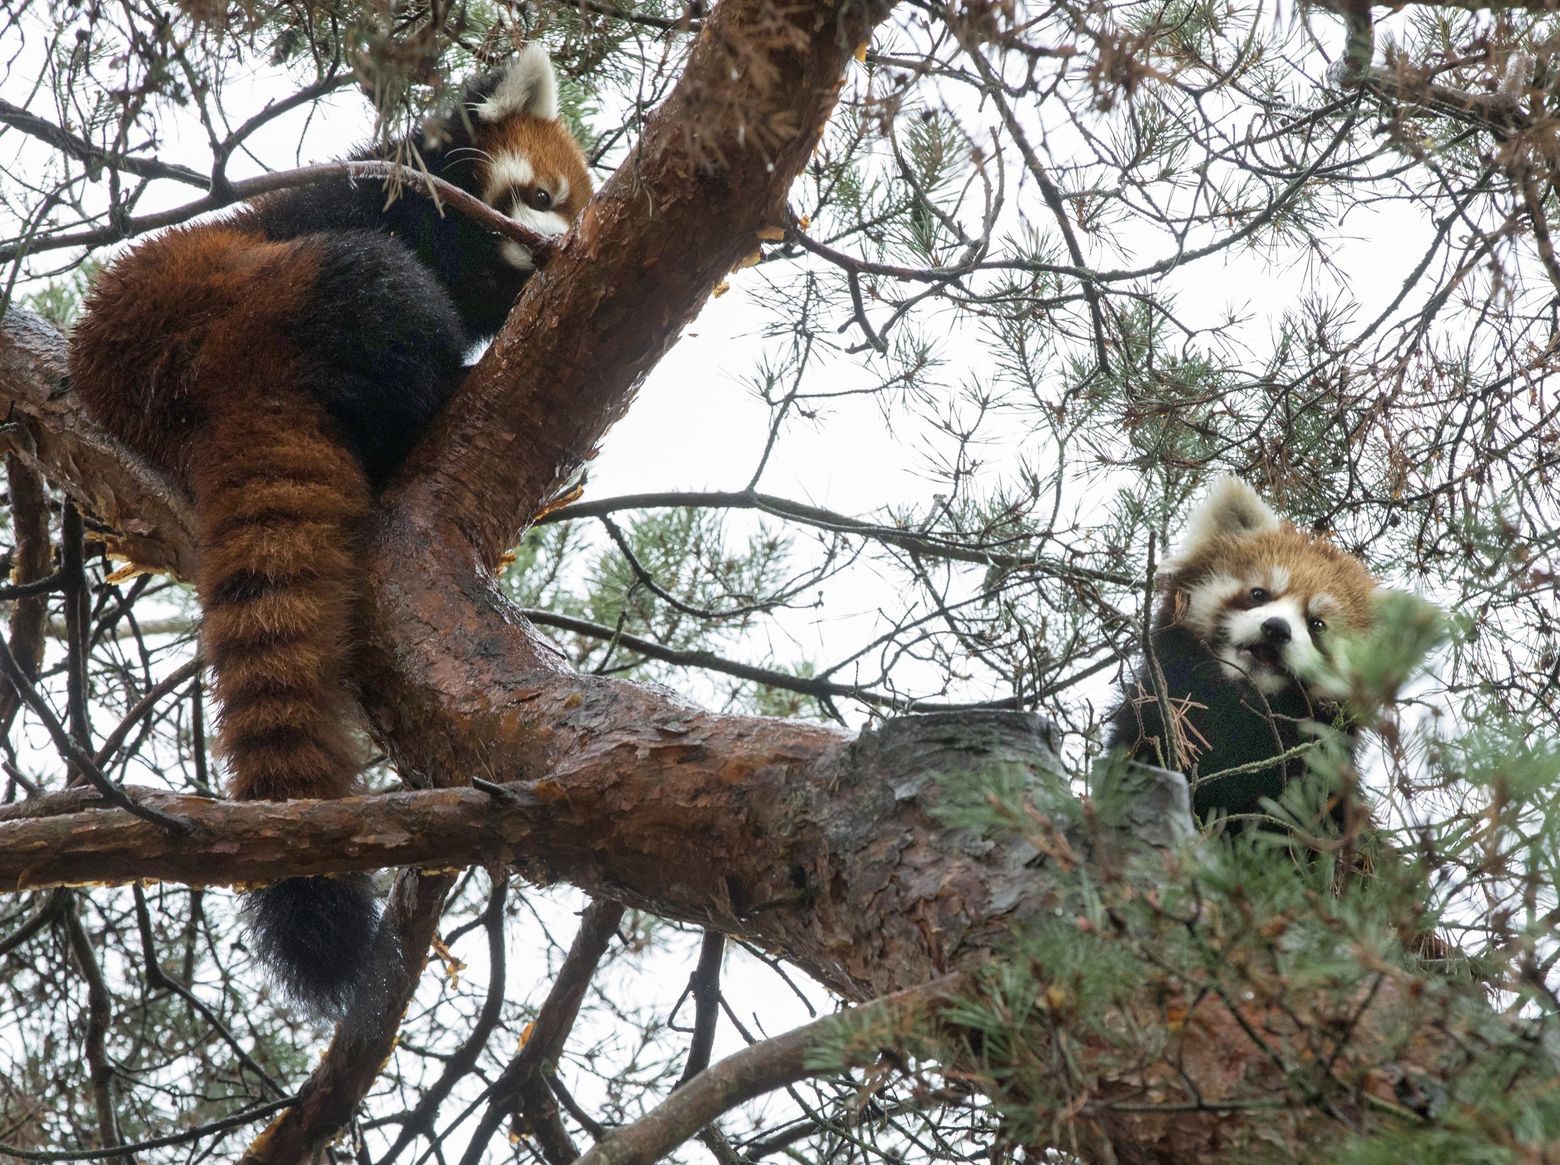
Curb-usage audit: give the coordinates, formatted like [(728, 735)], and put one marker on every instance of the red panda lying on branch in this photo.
[(278, 364)]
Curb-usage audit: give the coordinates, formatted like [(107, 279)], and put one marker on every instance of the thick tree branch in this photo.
[(712, 169), (781, 816), (46, 427), (876, 889)]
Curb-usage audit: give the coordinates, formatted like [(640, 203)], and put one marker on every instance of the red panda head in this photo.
[(1266, 598), (523, 160)]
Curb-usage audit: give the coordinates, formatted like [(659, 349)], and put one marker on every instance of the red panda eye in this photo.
[(1316, 625), (1258, 595), (540, 199)]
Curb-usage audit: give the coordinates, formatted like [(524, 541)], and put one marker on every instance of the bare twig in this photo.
[(764, 1067), (520, 1089), (542, 246)]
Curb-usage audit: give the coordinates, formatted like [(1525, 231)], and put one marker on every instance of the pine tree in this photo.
[(789, 688)]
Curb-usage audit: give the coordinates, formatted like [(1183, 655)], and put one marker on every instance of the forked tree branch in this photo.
[(713, 168), (835, 852), (769, 1065)]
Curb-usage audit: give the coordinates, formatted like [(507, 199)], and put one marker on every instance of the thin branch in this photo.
[(365, 1038), (928, 545), (542, 246), (704, 985), (709, 661), (83, 150), (99, 1017), (142, 707), (521, 1089), (202, 1132), (159, 980), (73, 567), (419, 1122), (33, 554), (763, 1067), (75, 754)]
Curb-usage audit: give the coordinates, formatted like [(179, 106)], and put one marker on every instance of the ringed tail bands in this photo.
[(278, 364)]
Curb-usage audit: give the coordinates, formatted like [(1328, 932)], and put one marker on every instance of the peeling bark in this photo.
[(141, 516), (829, 849), (834, 851)]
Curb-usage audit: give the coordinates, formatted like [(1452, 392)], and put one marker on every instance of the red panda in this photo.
[(278, 363), (1249, 609)]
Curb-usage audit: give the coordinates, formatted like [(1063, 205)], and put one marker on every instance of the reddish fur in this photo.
[(551, 150), (279, 646), (1315, 566), (279, 365), (184, 351)]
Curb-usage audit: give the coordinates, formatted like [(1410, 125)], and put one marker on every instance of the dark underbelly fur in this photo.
[(1228, 724)]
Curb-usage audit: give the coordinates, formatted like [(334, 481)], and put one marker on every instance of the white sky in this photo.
[(849, 462)]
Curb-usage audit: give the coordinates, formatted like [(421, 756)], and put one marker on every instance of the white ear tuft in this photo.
[(1231, 508), (528, 88)]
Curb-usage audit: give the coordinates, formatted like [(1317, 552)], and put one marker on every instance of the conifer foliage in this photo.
[(738, 642)]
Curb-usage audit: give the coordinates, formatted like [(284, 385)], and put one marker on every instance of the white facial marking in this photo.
[(512, 172), (517, 255), (1248, 650), (1205, 601), (543, 222), (505, 172)]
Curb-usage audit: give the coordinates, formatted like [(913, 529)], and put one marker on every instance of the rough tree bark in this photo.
[(827, 849)]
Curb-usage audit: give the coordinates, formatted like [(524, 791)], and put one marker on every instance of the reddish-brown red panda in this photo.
[(278, 363), (1250, 607)]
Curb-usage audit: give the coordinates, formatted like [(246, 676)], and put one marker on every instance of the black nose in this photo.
[(1276, 631)]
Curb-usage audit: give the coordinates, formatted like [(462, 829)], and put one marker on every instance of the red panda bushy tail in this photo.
[(281, 507)]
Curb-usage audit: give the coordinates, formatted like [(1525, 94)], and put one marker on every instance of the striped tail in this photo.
[(281, 507)]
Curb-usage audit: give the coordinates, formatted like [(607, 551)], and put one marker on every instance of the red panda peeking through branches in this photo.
[(1250, 607), (278, 364)]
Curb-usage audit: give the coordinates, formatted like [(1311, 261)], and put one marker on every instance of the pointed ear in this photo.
[(1231, 509), (527, 88)]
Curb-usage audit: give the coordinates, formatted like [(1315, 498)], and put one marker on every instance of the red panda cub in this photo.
[(1249, 607), (278, 363)]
